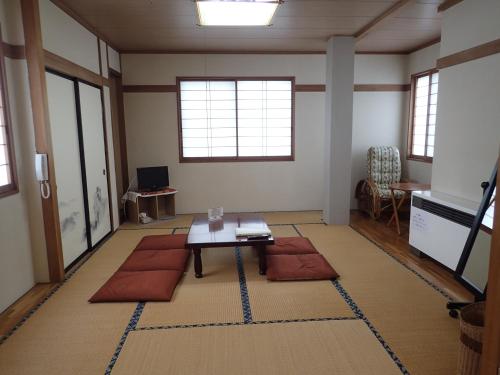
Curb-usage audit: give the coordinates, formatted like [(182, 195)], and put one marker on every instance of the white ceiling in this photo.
[(299, 25)]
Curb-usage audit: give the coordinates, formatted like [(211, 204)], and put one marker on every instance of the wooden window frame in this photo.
[(409, 146), (218, 159), (13, 187)]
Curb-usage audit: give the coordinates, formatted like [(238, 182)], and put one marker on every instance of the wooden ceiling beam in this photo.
[(446, 4), (383, 17)]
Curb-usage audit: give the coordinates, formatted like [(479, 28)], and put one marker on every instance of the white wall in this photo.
[(468, 24), (22, 243), (418, 62), (114, 60), (65, 37), (378, 117), (151, 125), (468, 117)]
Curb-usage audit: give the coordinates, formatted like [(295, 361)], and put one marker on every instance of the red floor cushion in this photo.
[(148, 260), (291, 246), (299, 267), (126, 286), (162, 242)]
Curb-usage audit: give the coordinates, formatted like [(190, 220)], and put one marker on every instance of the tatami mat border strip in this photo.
[(420, 276), (360, 315), (130, 327), (52, 292), (258, 322), (297, 230), (245, 301)]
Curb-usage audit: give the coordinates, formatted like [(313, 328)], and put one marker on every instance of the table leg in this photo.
[(395, 207), (261, 249), (400, 203), (198, 268)]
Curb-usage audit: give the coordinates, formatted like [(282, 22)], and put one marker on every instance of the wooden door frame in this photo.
[(43, 142), (117, 78)]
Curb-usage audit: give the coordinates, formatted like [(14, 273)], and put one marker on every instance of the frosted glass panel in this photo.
[(95, 161), (64, 132)]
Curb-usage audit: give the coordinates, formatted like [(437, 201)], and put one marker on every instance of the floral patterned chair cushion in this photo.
[(384, 168)]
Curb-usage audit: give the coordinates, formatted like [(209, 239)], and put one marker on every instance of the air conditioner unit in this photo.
[(440, 224)]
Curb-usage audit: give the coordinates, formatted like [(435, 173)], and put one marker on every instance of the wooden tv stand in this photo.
[(159, 205)]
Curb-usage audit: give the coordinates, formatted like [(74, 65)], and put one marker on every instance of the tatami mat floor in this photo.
[(378, 318)]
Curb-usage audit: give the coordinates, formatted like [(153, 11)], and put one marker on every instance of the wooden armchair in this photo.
[(384, 168)]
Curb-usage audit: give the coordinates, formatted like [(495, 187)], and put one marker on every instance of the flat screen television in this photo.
[(152, 178)]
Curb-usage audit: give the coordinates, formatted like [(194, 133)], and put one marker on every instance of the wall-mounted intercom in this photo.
[(42, 174)]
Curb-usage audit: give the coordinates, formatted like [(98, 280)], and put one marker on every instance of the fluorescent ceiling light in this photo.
[(236, 12)]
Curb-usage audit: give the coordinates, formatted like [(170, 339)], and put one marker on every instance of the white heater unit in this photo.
[(440, 224)]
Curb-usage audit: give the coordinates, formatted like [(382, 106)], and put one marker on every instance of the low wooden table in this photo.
[(222, 233), (406, 188)]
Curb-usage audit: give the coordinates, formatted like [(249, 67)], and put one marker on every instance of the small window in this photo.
[(8, 183), (248, 119), (424, 93)]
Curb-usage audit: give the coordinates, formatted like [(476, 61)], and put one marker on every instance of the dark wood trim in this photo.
[(310, 88), (377, 21), (381, 87), (447, 4), (237, 159), (243, 52), (13, 187), (298, 87), (470, 54), (62, 65), (43, 141), (61, 4), (13, 51), (150, 88), (425, 45), (409, 138), (182, 159), (99, 53), (381, 53), (120, 117), (217, 52), (490, 358)]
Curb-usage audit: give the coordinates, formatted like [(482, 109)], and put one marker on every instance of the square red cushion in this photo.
[(149, 260), (291, 246), (162, 242), (139, 286), (299, 267)]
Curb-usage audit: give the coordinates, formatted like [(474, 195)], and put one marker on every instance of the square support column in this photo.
[(338, 129)]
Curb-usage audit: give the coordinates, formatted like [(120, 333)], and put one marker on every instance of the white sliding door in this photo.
[(64, 134), (95, 161)]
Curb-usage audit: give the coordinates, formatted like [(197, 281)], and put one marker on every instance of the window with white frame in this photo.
[(8, 183), (236, 119), (423, 121)]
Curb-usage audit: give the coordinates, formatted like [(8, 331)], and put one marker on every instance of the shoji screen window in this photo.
[(247, 119), (208, 118), (8, 183), (423, 120)]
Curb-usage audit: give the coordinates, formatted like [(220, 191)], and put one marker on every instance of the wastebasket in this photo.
[(471, 338)]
